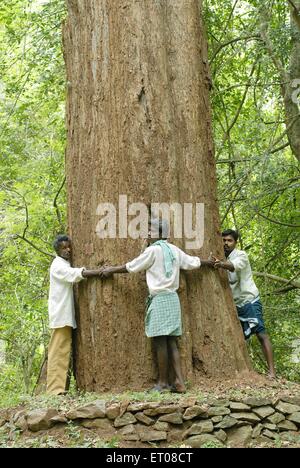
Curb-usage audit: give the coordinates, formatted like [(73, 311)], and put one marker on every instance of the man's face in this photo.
[(153, 235), (229, 244), (65, 250)]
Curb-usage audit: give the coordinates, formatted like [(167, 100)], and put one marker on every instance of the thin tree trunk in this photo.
[(139, 123), (290, 78), (292, 95)]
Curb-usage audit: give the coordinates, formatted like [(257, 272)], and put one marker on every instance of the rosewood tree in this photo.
[(139, 124)]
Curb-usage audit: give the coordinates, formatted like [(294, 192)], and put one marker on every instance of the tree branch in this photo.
[(233, 199), (23, 236), (232, 41), (279, 148), (296, 9), (58, 214), (280, 223), (229, 18), (283, 290), (294, 284), (17, 236), (233, 161), (226, 136), (270, 48), (26, 217)]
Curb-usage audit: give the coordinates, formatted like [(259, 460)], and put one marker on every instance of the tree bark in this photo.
[(139, 123), (290, 78), (292, 94)]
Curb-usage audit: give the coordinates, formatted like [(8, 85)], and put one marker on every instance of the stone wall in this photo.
[(187, 422)]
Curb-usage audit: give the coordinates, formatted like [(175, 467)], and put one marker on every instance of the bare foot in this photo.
[(160, 388), (178, 387)]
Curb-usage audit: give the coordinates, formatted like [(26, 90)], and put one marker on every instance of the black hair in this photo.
[(59, 239), (160, 225), (232, 233)]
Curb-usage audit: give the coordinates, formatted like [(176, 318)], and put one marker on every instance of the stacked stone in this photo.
[(191, 422)]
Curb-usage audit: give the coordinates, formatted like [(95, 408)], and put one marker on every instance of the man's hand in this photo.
[(225, 264), (211, 260), (217, 262), (106, 272), (92, 273)]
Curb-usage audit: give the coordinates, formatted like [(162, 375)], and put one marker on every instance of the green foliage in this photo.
[(32, 139), (212, 444), (258, 176), (74, 434), (112, 443), (11, 385)]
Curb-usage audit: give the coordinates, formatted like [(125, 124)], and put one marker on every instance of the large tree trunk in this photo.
[(139, 123)]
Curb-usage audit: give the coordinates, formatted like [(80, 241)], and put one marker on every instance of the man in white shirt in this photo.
[(162, 262), (62, 313), (245, 294)]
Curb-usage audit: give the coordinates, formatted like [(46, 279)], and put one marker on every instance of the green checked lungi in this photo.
[(163, 315)]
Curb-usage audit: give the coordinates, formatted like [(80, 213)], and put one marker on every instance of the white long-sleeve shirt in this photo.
[(152, 260), (241, 280), (61, 300)]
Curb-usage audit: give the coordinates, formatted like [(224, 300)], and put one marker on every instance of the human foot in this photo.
[(178, 387), (160, 388)]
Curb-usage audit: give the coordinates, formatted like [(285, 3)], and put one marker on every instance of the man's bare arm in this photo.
[(106, 272), (91, 273), (225, 264), (208, 262)]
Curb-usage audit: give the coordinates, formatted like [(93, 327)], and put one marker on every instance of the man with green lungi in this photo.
[(162, 262)]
